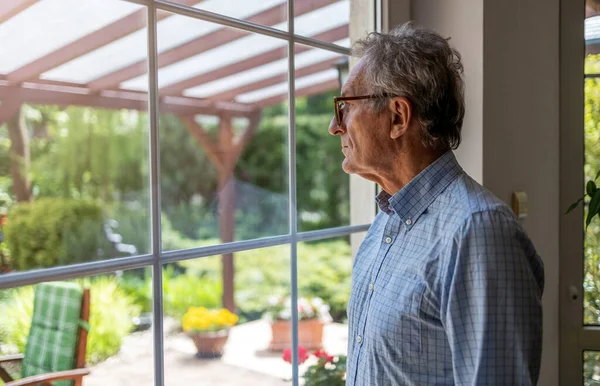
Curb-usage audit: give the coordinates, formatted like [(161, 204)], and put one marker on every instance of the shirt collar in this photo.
[(414, 198)]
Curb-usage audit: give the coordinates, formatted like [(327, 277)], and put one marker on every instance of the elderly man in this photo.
[(447, 285)]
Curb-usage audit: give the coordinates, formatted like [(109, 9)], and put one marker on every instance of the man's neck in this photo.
[(404, 168)]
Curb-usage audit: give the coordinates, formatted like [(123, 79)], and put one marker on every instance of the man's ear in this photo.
[(401, 110)]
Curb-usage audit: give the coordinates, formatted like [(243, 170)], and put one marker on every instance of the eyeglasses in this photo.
[(339, 103)]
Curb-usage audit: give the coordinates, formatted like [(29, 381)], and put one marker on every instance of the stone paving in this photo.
[(246, 360)]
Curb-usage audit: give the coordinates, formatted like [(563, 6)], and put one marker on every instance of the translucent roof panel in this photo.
[(172, 31), (592, 28), (266, 71), (233, 11), (51, 24), (320, 20), (282, 88), (332, 15)]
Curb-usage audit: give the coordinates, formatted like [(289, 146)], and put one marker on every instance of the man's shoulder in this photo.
[(466, 198)]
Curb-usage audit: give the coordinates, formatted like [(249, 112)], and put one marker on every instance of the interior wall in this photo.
[(521, 133), (462, 21), (510, 52)]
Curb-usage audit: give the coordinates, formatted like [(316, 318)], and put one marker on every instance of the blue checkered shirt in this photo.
[(446, 289)]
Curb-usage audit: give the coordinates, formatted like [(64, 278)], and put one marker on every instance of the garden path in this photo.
[(246, 361)]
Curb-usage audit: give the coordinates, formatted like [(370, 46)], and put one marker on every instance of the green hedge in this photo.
[(54, 231)]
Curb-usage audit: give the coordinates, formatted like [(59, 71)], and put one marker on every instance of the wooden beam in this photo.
[(10, 8), (271, 16), (49, 94), (311, 90), (303, 71), (244, 140), (88, 43), (205, 142), (330, 36)]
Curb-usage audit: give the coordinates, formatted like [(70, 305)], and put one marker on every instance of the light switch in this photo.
[(520, 204)]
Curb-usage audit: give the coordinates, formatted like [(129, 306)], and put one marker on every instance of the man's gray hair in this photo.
[(420, 65)]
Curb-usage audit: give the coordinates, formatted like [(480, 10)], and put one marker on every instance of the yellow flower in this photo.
[(201, 319)]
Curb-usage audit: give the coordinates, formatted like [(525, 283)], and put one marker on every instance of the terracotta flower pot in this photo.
[(310, 334), (209, 344)]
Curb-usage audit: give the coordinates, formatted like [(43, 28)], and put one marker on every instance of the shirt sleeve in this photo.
[(492, 303)]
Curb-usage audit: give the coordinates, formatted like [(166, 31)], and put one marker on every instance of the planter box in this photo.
[(310, 334)]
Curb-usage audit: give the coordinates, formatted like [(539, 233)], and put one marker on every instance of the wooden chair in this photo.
[(72, 376)]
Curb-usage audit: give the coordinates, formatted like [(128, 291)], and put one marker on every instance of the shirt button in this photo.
[(388, 240), (371, 286), (408, 222), (359, 339)]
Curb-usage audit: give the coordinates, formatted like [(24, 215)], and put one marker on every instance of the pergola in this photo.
[(94, 53)]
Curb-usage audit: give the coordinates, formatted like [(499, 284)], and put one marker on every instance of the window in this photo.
[(176, 153), (579, 163)]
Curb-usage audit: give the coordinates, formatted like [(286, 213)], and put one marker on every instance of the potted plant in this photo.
[(208, 329), (313, 313), (326, 370)]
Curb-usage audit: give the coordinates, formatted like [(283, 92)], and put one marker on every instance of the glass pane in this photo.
[(271, 13), (74, 157), (324, 282), (592, 166), (237, 351), (119, 342), (327, 22), (224, 154), (323, 187), (591, 368)]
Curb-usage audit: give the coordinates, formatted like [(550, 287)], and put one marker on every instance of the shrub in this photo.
[(16, 310), (138, 289), (324, 270), (111, 312), (187, 290), (54, 231)]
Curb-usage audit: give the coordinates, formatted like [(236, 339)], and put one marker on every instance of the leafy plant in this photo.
[(329, 370), (185, 291), (201, 319), (593, 193), (111, 313), (16, 310), (280, 308)]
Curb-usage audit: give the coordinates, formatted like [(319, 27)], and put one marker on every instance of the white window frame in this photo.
[(361, 191)]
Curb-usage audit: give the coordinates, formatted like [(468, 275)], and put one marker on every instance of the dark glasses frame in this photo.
[(338, 109)]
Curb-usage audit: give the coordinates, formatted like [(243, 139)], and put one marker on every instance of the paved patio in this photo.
[(246, 360)]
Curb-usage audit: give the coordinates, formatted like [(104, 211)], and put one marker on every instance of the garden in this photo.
[(87, 199)]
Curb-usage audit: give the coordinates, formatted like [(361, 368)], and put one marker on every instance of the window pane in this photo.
[(327, 22), (224, 154), (323, 186), (74, 157), (119, 342), (591, 368), (245, 358), (592, 165), (324, 282)]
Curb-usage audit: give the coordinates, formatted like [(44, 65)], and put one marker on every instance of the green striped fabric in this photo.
[(52, 341)]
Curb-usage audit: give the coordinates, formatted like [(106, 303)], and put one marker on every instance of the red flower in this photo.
[(302, 355), (323, 354), (3, 221)]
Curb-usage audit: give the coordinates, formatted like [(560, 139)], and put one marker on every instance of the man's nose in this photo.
[(334, 129)]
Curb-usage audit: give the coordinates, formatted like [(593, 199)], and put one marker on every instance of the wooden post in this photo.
[(224, 155), (19, 156), (226, 208)]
